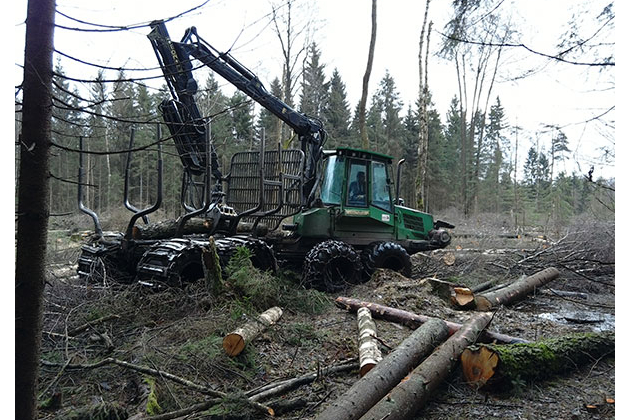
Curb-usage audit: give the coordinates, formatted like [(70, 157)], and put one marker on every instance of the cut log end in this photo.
[(462, 297), (233, 344), (366, 367), (479, 365)]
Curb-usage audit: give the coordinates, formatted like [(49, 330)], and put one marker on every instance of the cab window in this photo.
[(357, 185), (381, 196), (333, 179)]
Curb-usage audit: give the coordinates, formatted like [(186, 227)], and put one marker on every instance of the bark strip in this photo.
[(369, 353), (413, 320), (368, 390), (414, 390)]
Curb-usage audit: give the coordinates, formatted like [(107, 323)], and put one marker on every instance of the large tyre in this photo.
[(386, 255), (332, 265)]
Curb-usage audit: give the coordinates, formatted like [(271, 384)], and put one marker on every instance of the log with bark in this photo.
[(414, 390), (413, 320), (496, 366), (368, 390), (369, 352), (515, 291), (235, 342), (167, 228)]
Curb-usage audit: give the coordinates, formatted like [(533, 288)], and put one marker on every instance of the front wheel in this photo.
[(386, 255), (331, 265)]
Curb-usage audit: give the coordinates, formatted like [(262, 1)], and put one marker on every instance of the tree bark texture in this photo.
[(413, 321), (414, 390), (235, 342), (368, 390), (515, 291), (167, 228), (496, 365), (369, 352), (366, 79), (33, 202), (212, 268)]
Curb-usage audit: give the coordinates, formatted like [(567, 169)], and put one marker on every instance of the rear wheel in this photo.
[(386, 255), (331, 266)]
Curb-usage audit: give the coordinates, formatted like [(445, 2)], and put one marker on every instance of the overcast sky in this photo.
[(558, 94)]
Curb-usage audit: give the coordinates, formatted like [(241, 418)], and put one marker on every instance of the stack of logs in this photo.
[(399, 385)]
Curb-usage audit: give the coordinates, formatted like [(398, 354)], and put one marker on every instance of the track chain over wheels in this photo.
[(331, 265), (386, 255), (262, 255)]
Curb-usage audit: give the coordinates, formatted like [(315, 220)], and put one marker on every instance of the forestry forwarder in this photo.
[(345, 222)]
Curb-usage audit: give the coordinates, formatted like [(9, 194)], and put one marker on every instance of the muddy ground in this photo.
[(179, 331)]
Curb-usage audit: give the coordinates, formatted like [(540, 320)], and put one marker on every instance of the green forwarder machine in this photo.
[(334, 213)]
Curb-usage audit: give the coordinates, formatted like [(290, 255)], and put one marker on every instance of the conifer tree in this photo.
[(336, 113)]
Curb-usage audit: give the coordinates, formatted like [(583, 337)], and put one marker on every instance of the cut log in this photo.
[(369, 353), (235, 342), (368, 390), (413, 321), (462, 297), (481, 287), (168, 228), (515, 291), (413, 391), (499, 366)]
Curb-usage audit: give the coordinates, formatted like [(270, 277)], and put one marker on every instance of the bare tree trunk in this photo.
[(32, 217), (420, 199), (366, 79)]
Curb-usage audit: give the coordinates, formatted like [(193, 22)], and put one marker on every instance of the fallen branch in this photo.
[(91, 324), (498, 366), (368, 390), (279, 388), (413, 321), (160, 374), (414, 390)]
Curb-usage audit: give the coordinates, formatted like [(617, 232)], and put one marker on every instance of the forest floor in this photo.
[(179, 331)]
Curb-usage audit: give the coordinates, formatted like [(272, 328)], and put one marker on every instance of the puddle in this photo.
[(597, 321)]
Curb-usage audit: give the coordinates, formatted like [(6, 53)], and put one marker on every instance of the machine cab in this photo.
[(356, 179)]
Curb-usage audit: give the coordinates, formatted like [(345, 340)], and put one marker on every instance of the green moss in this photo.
[(153, 406)]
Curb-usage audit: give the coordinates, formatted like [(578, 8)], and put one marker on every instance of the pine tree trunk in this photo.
[(368, 390), (423, 140), (33, 194), (515, 291), (413, 392), (366, 79), (500, 366)]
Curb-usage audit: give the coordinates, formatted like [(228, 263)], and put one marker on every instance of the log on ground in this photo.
[(414, 390), (368, 390), (500, 366), (515, 291), (369, 352), (235, 342), (413, 320)]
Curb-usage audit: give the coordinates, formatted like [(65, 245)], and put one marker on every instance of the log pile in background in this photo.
[(494, 365), (235, 342)]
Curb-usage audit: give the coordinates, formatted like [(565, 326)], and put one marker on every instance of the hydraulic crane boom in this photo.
[(184, 119)]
